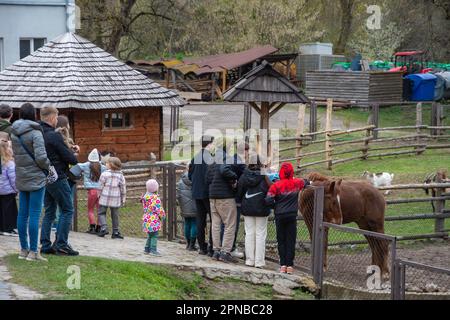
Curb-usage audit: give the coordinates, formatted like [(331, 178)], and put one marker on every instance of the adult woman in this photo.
[(31, 162), (252, 189)]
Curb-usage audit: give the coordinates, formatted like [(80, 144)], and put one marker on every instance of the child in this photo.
[(112, 196), (283, 196), (188, 210), (153, 216), (8, 190), (91, 171)]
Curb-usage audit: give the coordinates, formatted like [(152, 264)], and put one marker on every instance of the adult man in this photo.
[(58, 193), (222, 182), (200, 193), (6, 114)]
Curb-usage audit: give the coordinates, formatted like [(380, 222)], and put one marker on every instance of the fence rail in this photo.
[(366, 146)]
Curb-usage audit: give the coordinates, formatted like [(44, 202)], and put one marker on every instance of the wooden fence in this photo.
[(340, 146)]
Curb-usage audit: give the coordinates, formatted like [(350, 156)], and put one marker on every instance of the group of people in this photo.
[(224, 187), (39, 163)]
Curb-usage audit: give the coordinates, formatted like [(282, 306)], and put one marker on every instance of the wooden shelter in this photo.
[(267, 91), (110, 106)]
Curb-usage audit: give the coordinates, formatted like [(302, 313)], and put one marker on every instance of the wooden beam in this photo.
[(255, 106), (224, 80), (276, 109), (264, 125), (300, 131), (328, 143)]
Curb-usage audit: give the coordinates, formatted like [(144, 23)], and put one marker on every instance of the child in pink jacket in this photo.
[(153, 216)]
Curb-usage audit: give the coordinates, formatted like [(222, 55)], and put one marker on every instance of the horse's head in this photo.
[(332, 210)]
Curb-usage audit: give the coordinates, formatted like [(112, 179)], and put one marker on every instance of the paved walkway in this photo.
[(174, 254)]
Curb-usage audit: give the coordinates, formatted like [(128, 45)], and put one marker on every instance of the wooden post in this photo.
[(439, 118), (328, 144), (439, 224), (224, 80), (375, 116), (213, 86), (419, 121), (75, 213), (300, 131), (264, 126), (434, 117), (313, 119), (365, 152), (174, 79)]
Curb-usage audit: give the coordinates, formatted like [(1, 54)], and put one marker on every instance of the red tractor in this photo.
[(410, 62)]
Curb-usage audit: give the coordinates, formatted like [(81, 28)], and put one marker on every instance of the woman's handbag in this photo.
[(51, 174)]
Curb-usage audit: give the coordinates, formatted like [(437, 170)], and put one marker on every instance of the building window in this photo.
[(27, 46), (117, 120)]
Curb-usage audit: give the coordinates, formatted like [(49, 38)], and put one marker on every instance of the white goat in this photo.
[(383, 179)]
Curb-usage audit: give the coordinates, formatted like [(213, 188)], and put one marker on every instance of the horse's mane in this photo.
[(316, 176)]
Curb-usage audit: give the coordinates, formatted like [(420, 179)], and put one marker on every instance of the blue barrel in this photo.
[(423, 86)]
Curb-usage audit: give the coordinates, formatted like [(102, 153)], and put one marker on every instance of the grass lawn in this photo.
[(105, 279)]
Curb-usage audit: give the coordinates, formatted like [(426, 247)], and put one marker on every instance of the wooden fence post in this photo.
[(300, 131), (439, 225), (313, 119), (419, 122), (375, 119), (365, 152), (75, 213), (328, 144)]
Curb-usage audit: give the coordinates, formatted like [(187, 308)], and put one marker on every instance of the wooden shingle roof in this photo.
[(71, 72), (263, 83)]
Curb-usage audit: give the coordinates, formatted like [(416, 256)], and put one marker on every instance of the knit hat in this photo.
[(152, 185), (94, 156)]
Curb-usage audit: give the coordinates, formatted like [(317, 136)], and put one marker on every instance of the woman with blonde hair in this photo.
[(8, 190)]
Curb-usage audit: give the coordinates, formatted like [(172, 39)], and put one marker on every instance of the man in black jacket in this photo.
[(58, 193), (222, 181), (200, 193)]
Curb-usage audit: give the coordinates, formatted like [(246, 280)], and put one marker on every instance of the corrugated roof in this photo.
[(232, 60), (71, 72), (263, 83)]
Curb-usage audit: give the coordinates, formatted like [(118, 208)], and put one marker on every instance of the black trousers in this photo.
[(8, 213), (203, 211), (286, 238)]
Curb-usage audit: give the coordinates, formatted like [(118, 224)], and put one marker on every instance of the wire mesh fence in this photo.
[(421, 281), (357, 263)]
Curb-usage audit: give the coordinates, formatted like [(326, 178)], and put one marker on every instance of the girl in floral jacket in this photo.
[(153, 216)]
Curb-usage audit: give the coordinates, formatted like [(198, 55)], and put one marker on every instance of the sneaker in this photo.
[(102, 233), (11, 233), (91, 229), (283, 269), (66, 251), (289, 270), (155, 253), (117, 236), (51, 250), (23, 254), (227, 257), (216, 255), (237, 254), (146, 250), (203, 252), (35, 256)]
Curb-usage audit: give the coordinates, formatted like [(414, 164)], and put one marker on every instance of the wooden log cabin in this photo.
[(110, 106)]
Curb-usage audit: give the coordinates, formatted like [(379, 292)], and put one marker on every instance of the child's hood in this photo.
[(286, 171)]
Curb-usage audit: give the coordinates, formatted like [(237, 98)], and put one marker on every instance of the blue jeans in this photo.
[(30, 209), (73, 188), (152, 242), (57, 194), (190, 228)]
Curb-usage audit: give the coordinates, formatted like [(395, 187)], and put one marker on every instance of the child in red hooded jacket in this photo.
[(283, 197)]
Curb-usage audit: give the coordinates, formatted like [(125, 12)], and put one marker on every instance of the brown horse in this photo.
[(346, 202)]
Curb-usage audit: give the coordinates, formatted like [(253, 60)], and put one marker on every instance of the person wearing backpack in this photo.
[(26, 136), (253, 186)]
